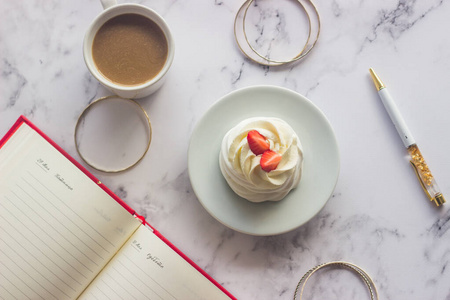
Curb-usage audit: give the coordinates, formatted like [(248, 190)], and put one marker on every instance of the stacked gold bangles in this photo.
[(342, 264), (246, 47)]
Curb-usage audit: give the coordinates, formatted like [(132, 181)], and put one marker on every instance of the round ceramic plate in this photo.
[(320, 166)]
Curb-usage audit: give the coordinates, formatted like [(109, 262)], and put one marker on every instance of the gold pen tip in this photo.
[(376, 80)]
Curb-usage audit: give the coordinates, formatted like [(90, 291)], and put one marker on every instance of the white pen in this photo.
[(423, 173)]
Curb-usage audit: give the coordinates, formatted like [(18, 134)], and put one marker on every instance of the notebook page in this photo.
[(147, 268), (57, 227)]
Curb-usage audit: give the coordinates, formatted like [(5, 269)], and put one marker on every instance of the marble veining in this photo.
[(377, 217)]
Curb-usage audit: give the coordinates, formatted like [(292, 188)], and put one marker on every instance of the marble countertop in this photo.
[(378, 216)]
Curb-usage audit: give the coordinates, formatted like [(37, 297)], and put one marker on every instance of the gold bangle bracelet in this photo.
[(149, 131), (363, 274), (272, 62)]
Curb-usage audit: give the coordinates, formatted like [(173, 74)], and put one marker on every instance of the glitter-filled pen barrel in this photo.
[(423, 173)]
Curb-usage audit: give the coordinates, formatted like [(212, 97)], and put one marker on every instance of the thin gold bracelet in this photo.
[(95, 102)]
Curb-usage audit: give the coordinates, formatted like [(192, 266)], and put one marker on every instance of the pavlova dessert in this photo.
[(261, 159)]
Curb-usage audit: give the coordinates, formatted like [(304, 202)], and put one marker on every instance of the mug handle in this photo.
[(108, 3)]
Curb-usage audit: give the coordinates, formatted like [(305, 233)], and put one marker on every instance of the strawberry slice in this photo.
[(270, 160), (257, 142)]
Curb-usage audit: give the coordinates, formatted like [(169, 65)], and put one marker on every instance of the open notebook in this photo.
[(64, 235)]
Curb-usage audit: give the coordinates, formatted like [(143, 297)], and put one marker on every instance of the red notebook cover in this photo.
[(22, 119)]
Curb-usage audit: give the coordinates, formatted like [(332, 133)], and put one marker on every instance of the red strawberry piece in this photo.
[(270, 160), (257, 142)]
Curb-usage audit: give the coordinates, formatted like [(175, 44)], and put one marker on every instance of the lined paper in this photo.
[(57, 227), (147, 268)]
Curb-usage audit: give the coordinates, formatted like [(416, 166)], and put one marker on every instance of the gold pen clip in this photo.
[(437, 199)]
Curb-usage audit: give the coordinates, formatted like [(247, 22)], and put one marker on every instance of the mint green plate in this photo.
[(320, 166)]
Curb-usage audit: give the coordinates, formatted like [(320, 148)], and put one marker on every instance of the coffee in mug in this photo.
[(129, 49)]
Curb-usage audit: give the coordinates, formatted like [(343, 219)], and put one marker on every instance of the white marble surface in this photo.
[(378, 216)]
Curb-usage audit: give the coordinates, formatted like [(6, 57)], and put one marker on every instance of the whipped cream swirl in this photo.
[(241, 167)]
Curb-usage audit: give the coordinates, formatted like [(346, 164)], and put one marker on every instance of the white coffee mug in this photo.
[(112, 9)]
